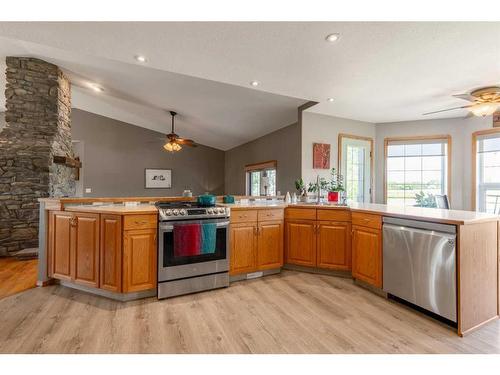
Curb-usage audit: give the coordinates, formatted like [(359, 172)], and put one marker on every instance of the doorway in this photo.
[(356, 165)]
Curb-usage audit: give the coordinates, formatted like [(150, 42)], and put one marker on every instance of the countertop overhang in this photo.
[(455, 217)]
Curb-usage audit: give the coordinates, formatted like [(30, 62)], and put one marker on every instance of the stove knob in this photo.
[(183, 212), (175, 212), (210, 211), (221, 210), (168, 212)]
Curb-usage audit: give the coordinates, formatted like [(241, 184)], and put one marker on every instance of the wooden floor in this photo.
[(288, 313), (16, 275)]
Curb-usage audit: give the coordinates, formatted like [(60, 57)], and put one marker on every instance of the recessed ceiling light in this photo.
[(330, 100), (96, 88), (255, 83), (141, 59), (332, 37)]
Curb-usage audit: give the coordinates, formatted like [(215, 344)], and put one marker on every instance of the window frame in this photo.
[(266, 165), (339, 161), (475, 136), (440, 137)]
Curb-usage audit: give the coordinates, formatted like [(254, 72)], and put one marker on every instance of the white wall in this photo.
[(317, 128), (460, 130)]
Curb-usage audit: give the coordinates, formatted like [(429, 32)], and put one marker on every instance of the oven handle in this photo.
[(170, 227)]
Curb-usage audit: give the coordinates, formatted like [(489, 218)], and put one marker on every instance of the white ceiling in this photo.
[(212, 113), (377, 71)]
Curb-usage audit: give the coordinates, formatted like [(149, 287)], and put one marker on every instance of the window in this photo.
[(486, 152), (355, 165), (416, 166), (261, 179)]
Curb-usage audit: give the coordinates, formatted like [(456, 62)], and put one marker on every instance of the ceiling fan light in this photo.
[(172, 147), (484, 109)]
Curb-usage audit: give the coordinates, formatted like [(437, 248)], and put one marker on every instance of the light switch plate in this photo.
[(88, 190)]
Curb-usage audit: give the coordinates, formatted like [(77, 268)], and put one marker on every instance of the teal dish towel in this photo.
[(208, 237)]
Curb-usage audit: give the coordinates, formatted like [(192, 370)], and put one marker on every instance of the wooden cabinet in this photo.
[(60, 258), (86, 249), (270, 245), (74, 247), (367, 255), (319, 243), (94, 250), (301, 242), (334, 245), (256, 241), (111, 253), (243, 252), (139, 260)]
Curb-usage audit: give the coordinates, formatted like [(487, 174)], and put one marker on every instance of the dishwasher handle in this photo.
[(450, 236)]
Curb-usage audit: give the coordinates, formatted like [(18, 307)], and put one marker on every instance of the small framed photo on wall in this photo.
[(158, 178)]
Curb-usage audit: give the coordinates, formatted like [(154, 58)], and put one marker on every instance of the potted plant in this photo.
[(335, 187), (301, 188), (313, 188)]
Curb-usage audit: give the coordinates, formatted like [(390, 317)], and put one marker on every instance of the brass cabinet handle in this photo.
[(140, 222)]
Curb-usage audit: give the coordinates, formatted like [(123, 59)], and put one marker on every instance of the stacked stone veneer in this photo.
[(38, 126)]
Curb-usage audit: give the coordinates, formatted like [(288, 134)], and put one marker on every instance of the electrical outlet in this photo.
[(88, 190)]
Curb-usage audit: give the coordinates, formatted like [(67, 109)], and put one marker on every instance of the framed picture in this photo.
[(158, 178), (321, 156)]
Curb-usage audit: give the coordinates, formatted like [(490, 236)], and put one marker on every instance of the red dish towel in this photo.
[(187, 240)]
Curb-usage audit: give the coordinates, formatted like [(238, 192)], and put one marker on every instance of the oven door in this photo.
[(173, 266)]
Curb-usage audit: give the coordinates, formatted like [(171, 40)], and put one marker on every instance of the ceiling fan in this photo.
[(174, 142), (485, 101)]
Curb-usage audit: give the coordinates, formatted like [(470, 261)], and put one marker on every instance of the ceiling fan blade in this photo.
[(187, 142), (467, 97), (445, 110)]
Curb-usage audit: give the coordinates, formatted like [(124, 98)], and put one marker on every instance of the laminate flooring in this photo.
[(291, 312)]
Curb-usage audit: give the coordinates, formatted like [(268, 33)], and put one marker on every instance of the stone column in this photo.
[(38, 126)]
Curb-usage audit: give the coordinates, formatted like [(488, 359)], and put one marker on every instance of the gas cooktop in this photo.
[(180, 210)]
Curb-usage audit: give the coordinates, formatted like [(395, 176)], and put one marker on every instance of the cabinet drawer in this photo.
[(140, 222), (274, 214), (243, 216), (334, 215), (367, 220), (301, 213)]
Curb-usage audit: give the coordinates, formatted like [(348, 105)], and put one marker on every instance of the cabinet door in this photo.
[(139, 260), (301, 242), (334, 245), (367, 255), (60, 258), (270, 245), (243, 253), (85, 249), (110, 270)]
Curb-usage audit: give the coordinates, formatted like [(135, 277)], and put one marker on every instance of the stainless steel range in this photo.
[(193, 248)]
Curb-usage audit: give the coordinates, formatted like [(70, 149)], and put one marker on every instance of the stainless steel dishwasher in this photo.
[(419, 260)]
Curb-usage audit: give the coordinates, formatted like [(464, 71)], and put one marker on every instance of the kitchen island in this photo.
[(267, 236)]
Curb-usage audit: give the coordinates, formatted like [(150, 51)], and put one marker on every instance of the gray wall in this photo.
[(116, 154), (282, 145)]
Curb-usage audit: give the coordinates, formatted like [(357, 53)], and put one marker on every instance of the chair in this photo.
[(442, 201)]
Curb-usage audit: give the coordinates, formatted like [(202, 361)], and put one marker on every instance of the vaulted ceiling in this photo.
[(376, 72)]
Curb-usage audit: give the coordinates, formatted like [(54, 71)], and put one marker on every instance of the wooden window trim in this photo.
[(475, 135), (446, 137), (339, 161), (270, 164)]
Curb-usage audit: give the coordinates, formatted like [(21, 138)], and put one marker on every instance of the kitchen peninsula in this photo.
[(104, 247)]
